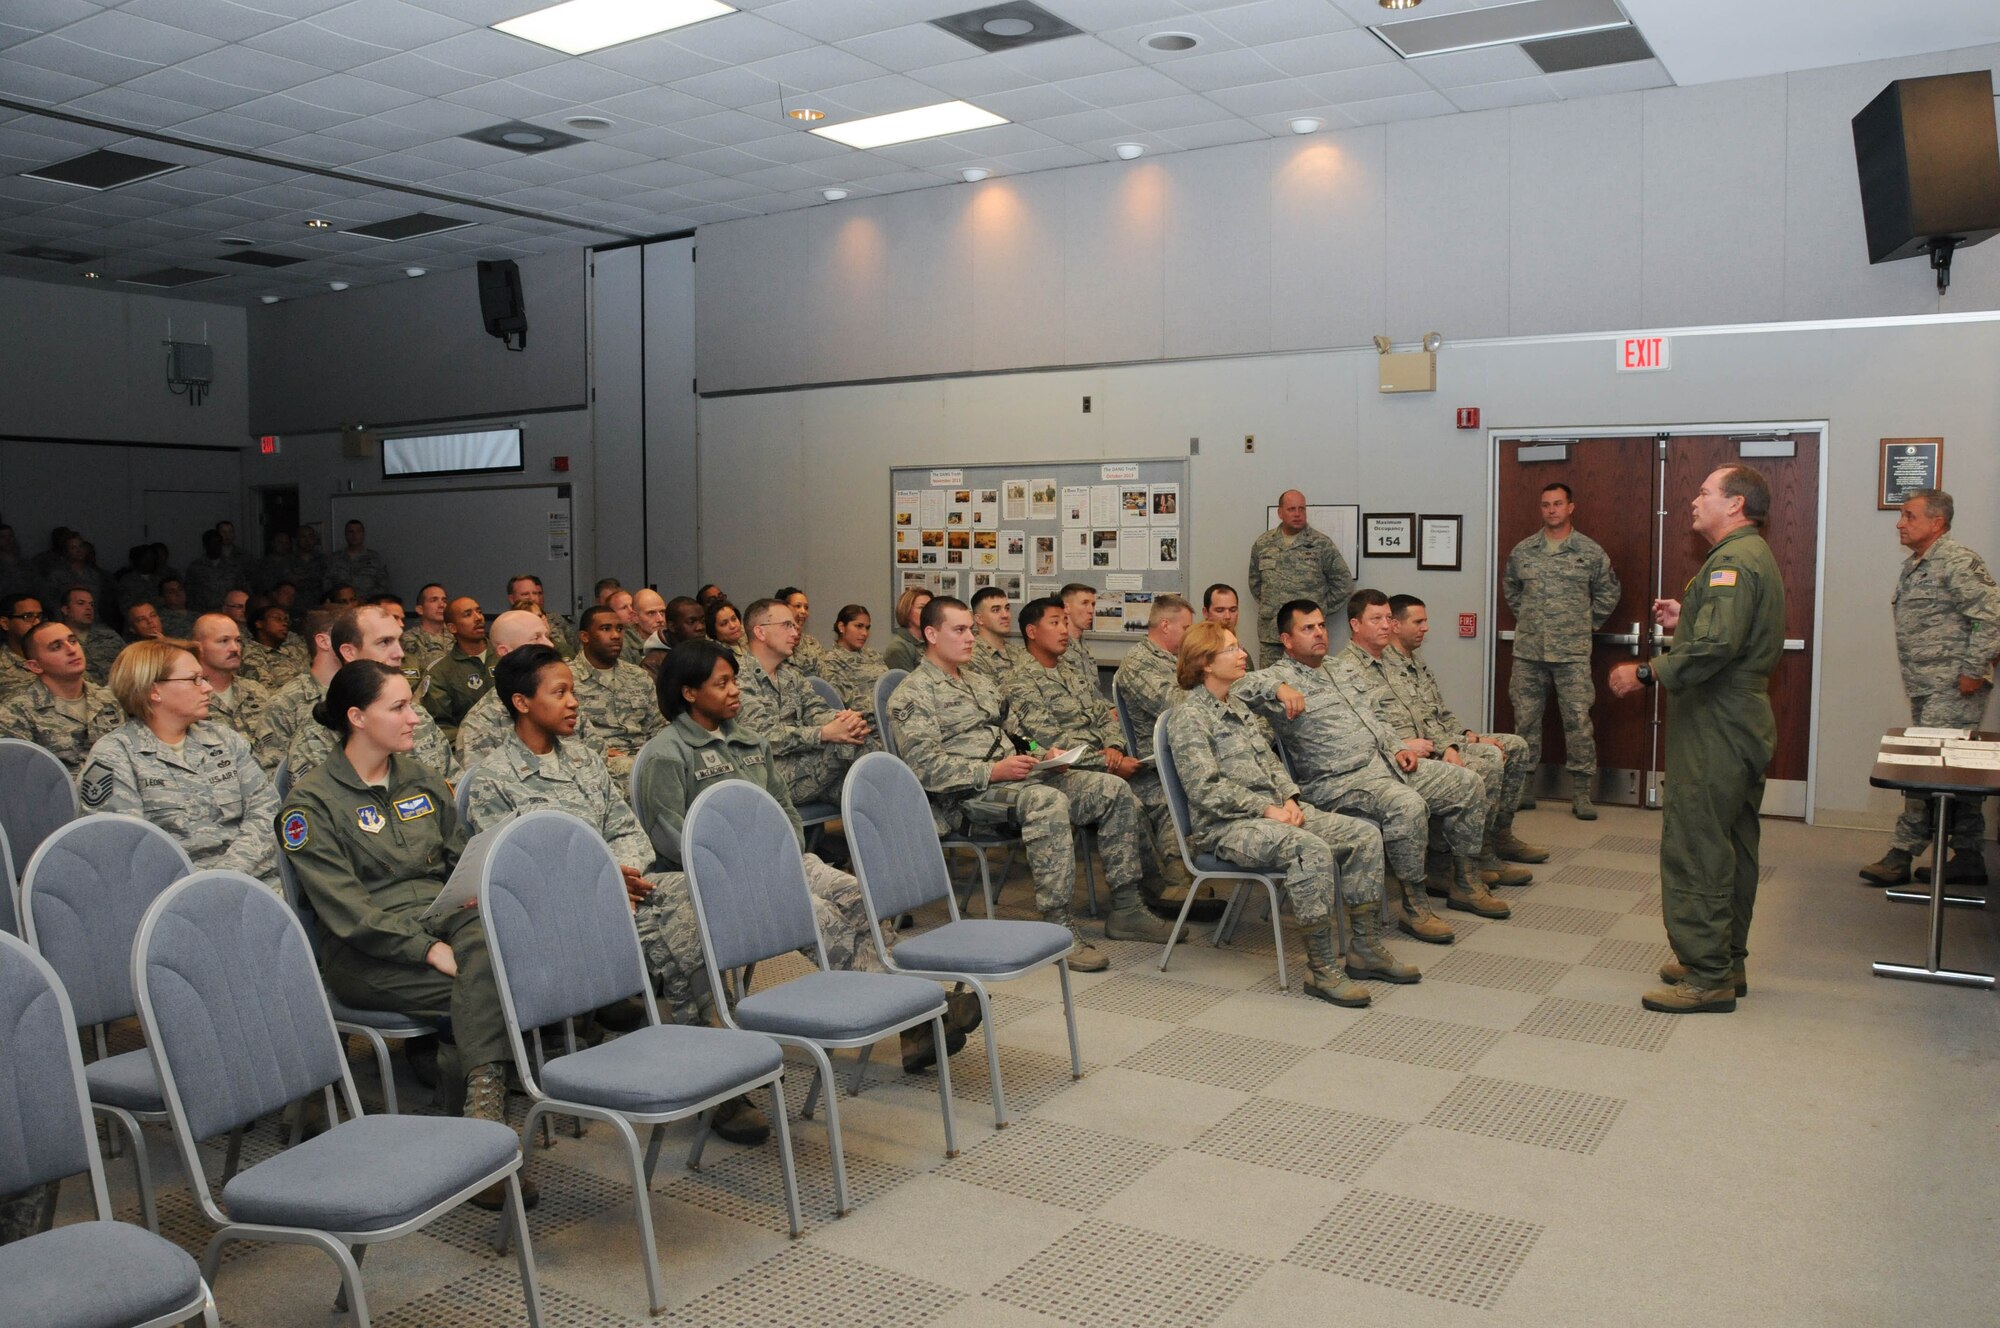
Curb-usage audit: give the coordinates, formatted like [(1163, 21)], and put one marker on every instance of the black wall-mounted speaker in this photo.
[(1930, 167), (501, 304)]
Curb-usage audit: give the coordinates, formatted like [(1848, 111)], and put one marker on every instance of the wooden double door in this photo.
[(1633, 495)]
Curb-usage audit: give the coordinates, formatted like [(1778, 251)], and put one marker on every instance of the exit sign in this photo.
[(1642, 354), (269, 444)]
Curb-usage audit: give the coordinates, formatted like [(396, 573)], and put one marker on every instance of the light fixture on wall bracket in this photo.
[(1410, 370), (1130, 151)]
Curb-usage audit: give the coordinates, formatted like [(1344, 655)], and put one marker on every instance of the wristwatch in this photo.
[(1646, 675)]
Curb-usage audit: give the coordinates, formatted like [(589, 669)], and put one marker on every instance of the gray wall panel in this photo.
[(618, 324), (1015, 227), (1114, 242), (672, 427), (1448, 226), (1218, 294), (1577, 215), (1329, 229)]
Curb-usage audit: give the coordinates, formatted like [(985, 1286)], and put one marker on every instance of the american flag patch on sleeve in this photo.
[(1724, 577)]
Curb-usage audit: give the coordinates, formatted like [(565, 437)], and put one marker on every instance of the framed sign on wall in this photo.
[(1908, 464)]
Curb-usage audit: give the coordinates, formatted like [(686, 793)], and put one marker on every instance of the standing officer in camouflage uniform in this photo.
[(1560, 587), (487, 724), (1145, 687), (995, 651), (526, 592), (812, 744), (195, 780), (1052, 705), (952, 730), (1729, 632), (462, 675), (1947, 613), (1499, 759), (63, 711), (806, 658), (367, 633), (1080, 603), (1243, 806), (357, 565), (234, 701), (621, 709), (1293, 561)]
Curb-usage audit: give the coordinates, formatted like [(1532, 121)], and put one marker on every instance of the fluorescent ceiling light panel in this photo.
[(1499, 25), (582, 26), (879, 131)]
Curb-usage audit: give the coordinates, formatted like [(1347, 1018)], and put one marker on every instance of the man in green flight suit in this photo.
[(461, 675), (1729, 631)]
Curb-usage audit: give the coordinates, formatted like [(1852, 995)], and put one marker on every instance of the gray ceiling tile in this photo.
[(1267, 98), (33, 83), (437, 118), (459, 153), (176, 84), (716, 190), (914, 46), (1630, 77), (738, 39), (1414, 106), (1514, 92), (1223, 69), (721, 161), (1083, 125), (228, 129), (929, 154), (321, 150), (415, 73), (725, 127), (300, 117), (1114, 89), (881, 96), (504, 100), (604, 186), (127, 107), (298, 8), (66, 57), (577, 81), (1046, 159), (1370, 84), (1067, 57), (653, 106), (316, 46), (657, 143), (1216, 135), (794, 147), (1032, 103), (588, 158), (380, 133), (253, 69), (219, 19), (389, 23), (1174, 112), (780, 178), (816, 69), (1490, 64), (355, 96), (118, 33), (494, 54), (903, 181), (654, 60), (998, 141), (1278, 20), (48, 15), (473, 184), (839, 20), (1328, 53), (972, 79), (732, 87), (542, 168)]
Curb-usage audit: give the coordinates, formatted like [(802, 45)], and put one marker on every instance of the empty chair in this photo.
[(374, 1026), (96, 1274), (36, 797), (563, 945), (748, 881), (238, 1026), (827, 692), (82, 897), (1208, 867), (900, 864)]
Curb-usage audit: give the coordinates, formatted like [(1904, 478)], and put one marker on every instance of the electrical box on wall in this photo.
[(1409, 371), (360, 444)]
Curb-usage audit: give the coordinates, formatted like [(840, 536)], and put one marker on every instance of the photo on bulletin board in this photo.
[(1340, 522)]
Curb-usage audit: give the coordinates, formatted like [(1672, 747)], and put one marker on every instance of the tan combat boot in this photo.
[(1084, 957), (740, 1121), (1495, 872), (1893, 869), (1367, 957), (1414, 914), (1129, 919), (1470, 895), (1674, 971), (1580, 806), (1325, 981), (486, 1099), (1515, 849), (1686, 998)]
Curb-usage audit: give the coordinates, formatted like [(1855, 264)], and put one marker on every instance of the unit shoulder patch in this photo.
[(295, 830)]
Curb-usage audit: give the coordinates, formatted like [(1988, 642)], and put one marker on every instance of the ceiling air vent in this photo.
[(409, 227), (258, 258), (1501, 25), (102, 170), (1588, 50), (520, 136), (169, 277), (1006, 27)]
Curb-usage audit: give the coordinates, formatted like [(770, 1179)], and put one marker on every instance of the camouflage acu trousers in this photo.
[(1331, 854), (24, 1214), (1447, 798), (816, 774), (1269, 653), (1046, 813), (1945, 710), (1528, 688), (1503, 770)]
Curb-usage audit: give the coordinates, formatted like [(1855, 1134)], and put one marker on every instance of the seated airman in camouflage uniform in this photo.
[(1499, 759), (234, 701), (526, 592), (487, 724), (1080, 603), (1058, 709), (621, 708), (368, 632), (195, 780), (849, 664), (806, 658), (270, 657), (64, 711), (995, 651), (952, 730), (1244, 808), (19, 612), (812, 743), (428, 639), (1145, 687), (100, 644)]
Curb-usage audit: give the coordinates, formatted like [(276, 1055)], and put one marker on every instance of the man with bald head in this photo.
[(1293, 561), (462, 674), (649, 611), (486, 726), (233, 700), (367, 632)]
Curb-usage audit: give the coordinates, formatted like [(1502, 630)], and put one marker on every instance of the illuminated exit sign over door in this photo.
[(1642, 354)]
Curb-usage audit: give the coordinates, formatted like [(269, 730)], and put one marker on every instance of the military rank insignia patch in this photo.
[(475, 682), (370, 819), (95, 786), (1725, 576), (409, 809), (294, 830)]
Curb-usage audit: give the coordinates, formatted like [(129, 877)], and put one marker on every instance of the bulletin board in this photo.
[(1120, 527)]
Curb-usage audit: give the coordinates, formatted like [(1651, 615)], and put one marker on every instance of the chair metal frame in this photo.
[(816, 1048), (128, 1120), (335, 1244), (100, 1194), (541, 1103), (976, 981), (1170, 781)]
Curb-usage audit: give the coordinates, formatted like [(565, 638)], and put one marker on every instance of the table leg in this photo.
[(1936, 972)]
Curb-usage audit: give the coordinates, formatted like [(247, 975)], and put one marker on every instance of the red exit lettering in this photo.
[(1642, 353), (1468, 624)]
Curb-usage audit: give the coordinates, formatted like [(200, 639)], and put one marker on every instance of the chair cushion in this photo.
[(126, 1080), (94, 1275), (382, 1021), (982, 838), (1208, 862), (370, 1173), (982, 946), (661, 1069), (839, 1007)]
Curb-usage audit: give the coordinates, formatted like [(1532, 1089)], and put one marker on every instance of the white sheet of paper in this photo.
[(1042, 500), (1971, 761), (462, 886), (1936, 733), (1075, 505), (1135, 551), (1076, 550), (1067, 759), (1013, 500), (1013, 550), (1907, 758), (1104, 505), (1908, 741)]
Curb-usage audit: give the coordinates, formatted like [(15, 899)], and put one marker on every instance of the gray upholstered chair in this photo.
[(372, 1026), (281, 778), (10, 891), (1208, 867), (462, 791), (884, 685), (96, 1274), (82, 896), (827, 692), (238, 1027), (563, 945), (900, 865), (751, 903), (36, 797)]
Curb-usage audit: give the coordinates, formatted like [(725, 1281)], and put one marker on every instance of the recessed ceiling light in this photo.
[(582, 26), (268, 299), (1307, 124), (879, 131), (519, 136), (415, 271), (1400, 4), (91, 276), (319, 224), (805, 114), (1130, 151), (833, 195), (337, 285), (1007, 27), (589, 123), (974, 174), (1171, 41)]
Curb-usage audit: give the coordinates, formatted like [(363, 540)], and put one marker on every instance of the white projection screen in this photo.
[(474, 453)]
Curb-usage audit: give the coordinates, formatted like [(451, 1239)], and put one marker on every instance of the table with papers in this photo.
[(1942, 764)]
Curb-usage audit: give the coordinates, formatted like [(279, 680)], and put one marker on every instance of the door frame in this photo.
[(1575, 433)]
